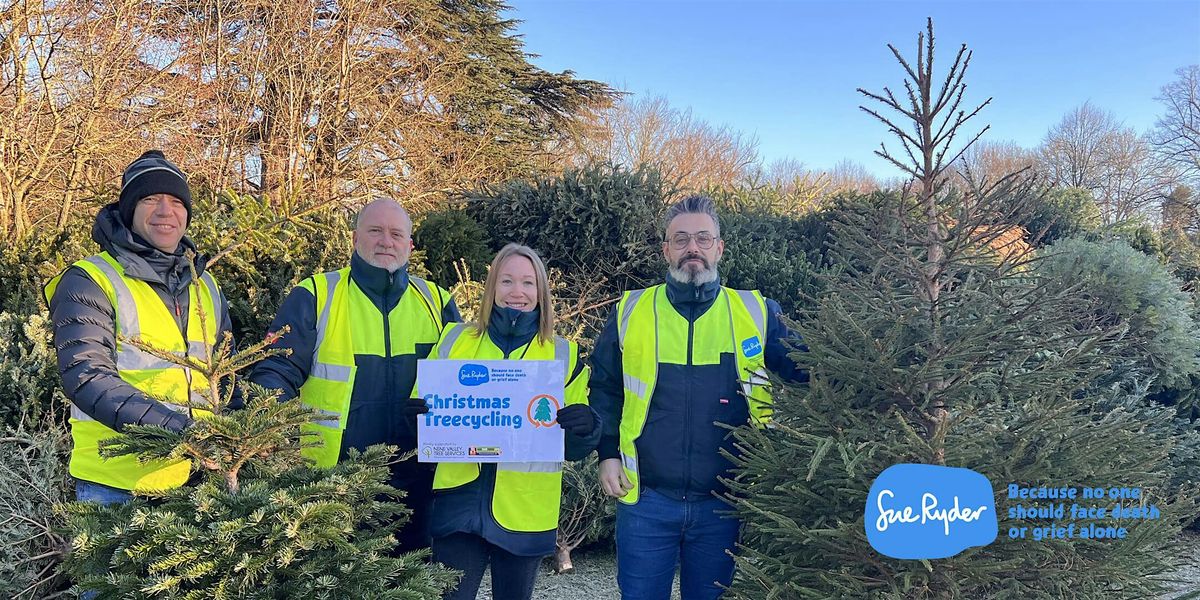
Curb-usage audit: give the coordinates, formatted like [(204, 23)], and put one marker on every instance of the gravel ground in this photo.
[(1185, 581), (595, 577)]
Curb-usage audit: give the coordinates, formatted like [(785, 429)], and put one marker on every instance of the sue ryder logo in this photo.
[(928, 511), (472, 375), (751, 347)]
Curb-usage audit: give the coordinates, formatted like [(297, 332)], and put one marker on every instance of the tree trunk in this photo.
[(74, 180), (562, 560), (5, 204)]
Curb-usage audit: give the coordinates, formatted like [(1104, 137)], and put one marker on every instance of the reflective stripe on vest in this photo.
[(330, 382), (638, 332), (526, 496), (140, 313), (320, 369)]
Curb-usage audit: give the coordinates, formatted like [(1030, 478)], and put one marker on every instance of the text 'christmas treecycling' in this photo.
[(490, 411)]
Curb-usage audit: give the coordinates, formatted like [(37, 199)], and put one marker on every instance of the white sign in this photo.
[(490, 411)]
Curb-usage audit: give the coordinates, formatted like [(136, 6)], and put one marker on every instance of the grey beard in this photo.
[(700, 277), (390, 268)]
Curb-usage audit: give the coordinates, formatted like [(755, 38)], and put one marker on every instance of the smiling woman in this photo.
[(505, 514), (517, 284)]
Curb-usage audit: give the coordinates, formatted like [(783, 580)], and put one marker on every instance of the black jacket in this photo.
[(85, 324), (679, 448)]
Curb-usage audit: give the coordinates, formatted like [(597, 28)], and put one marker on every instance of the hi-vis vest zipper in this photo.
[(644, 317), (141, 313)]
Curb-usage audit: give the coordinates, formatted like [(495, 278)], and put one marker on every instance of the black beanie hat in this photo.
[(151, 174)]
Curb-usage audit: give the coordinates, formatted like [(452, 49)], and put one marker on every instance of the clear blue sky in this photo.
[(786, 72)]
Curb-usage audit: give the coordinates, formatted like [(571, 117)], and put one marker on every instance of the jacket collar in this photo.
[(685, 293), (510, 328), (378, 284)]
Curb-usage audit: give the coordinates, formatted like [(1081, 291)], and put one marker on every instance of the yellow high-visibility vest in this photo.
[(651, 332), (141, 313), (527, 495), (347, 325)]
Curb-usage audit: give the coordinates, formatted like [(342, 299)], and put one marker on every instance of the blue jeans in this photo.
[(658, 533), (86, 491)]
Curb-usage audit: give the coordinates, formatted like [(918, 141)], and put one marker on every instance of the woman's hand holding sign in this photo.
[(576, 419), (415, 406)]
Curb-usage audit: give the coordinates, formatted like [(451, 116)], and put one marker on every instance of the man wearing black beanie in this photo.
[(137, 286), (152, 174)]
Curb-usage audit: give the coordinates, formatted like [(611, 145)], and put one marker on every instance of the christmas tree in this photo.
[(256, 521), (586, 514), (936, 342), (542, 413)]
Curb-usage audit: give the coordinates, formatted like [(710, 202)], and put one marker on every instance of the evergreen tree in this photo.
[(33, 481), (256, 521), (416, 98), (929, 344)]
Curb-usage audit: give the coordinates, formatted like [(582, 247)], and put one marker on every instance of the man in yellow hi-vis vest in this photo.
[(356, 335), (673, 364), (139, 286)]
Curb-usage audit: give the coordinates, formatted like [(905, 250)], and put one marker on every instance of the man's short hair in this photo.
[(378, 200), (694, 204)]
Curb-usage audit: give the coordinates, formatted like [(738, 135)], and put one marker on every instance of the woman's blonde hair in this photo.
[(544, 301)]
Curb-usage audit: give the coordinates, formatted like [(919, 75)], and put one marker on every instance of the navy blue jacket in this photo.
[(679, 448), (383, 382), (468, 508), (85, 329)]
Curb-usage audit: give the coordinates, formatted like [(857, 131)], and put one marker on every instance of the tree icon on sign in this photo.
[(540, 410), (542, 414)]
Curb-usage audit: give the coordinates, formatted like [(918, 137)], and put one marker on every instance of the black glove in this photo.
[(576, 419), (236, 401), (177, 422), (414, 407)]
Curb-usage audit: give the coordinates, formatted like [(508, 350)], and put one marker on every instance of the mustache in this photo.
[(703, 260)]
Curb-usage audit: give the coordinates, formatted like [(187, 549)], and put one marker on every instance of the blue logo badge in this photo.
[(472, 375), (751, 346), (927, 511)]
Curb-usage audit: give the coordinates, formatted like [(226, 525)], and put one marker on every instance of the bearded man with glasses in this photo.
[(675, 364)]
